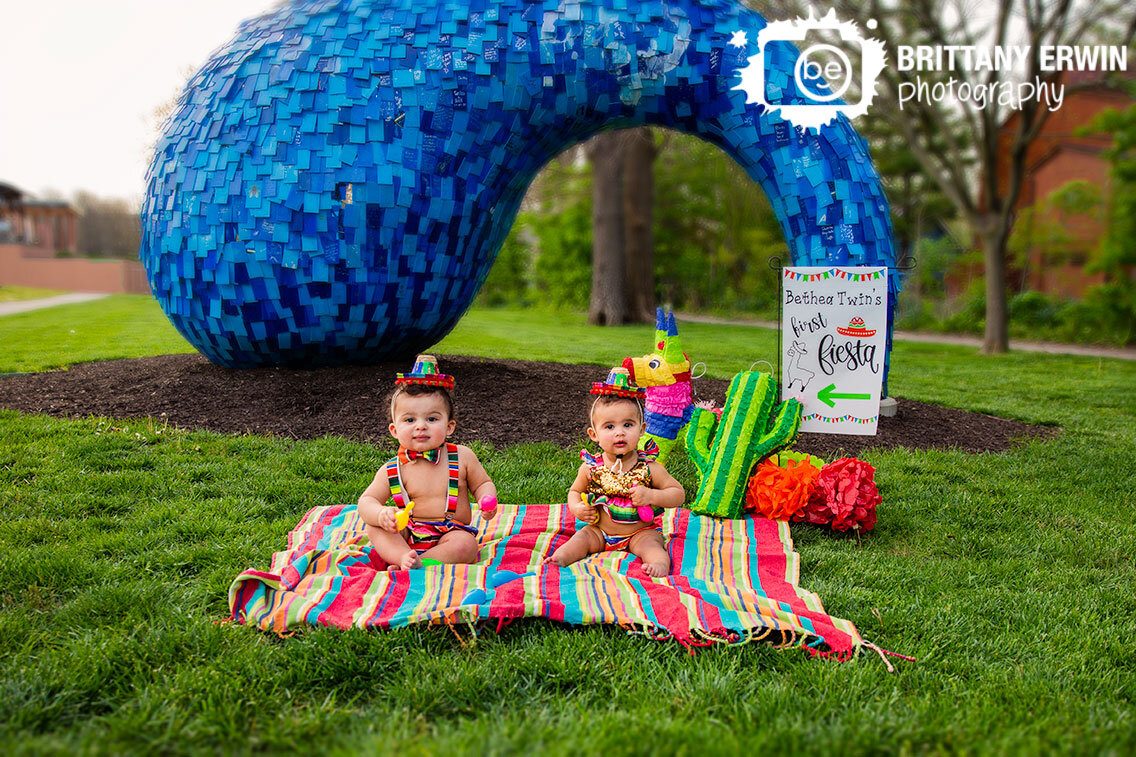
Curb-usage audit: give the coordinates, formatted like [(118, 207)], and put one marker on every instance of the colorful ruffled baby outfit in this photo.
[(612, 490)]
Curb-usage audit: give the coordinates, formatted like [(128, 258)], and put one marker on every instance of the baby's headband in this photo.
[(425, 373), (618, 383)]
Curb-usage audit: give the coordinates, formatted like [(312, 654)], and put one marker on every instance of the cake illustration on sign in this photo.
[(856, 328)]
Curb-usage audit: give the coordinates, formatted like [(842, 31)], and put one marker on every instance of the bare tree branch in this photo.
[(975, 153), (949, 165)]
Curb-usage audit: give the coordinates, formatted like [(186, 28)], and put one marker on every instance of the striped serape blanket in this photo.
[(731, 581)]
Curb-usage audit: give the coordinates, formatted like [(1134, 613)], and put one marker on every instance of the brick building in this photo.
[(32, 232), (43, 228), (1058, 156)]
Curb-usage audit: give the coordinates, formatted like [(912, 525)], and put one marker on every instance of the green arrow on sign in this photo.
[(829, 393)]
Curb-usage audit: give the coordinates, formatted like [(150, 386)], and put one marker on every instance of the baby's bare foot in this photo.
[(657, 569), (551, 560), (409, 561)]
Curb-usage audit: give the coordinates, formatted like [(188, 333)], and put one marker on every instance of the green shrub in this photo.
[(563, 267), (915, 315), (1117, 310), (1074, 323), (968, 314), (509, 281), (1107, 315), (546, 260), (1033, 310)]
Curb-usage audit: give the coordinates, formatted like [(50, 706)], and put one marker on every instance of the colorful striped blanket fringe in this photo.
[(731, 582)]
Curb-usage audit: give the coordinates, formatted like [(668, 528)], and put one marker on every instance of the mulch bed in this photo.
[(501, 402)]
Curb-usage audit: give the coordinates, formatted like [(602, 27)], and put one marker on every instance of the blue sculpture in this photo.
[(335, 183)]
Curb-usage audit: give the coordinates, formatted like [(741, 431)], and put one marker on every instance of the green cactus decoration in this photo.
[(665, 445), (749, 432)]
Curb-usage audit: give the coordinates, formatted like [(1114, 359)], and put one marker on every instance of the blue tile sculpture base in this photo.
[(335, 183)]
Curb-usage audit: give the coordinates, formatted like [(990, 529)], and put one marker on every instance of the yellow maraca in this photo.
[(402, 518)]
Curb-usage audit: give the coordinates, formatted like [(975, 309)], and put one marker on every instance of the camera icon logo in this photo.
[(811, 70), (823, 73)]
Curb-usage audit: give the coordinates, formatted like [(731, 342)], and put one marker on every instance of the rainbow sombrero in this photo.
[(619, 384), (425, 372), (856, 328)]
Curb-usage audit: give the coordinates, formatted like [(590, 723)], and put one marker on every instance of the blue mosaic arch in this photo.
[(335, 183)]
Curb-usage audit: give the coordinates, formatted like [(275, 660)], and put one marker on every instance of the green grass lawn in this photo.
[(13, 293), (1008, 576), (122, 325)]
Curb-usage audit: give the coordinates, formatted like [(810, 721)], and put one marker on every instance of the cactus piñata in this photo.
[(749, 432)]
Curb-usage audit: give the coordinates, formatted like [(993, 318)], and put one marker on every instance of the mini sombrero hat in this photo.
[(856, 327), (618, 383), (425, 372)]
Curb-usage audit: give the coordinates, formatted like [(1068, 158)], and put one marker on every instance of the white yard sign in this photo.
[(833, 331)]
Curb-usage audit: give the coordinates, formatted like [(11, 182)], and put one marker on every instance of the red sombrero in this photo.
[(619, 384), (856, 328), (425, 372)]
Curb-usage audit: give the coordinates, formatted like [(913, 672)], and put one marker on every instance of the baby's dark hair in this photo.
[(418, 390), (610, 399)]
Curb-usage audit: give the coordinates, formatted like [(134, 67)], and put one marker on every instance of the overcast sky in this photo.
[(80, 81)]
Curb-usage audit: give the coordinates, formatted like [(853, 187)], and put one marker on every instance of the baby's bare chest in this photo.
[(431, 484)]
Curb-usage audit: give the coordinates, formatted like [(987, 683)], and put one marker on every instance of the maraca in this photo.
[(646, 512), (402, 517)]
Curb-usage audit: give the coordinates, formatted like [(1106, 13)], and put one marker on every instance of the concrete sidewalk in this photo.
[(23, 306), (1055, 348)]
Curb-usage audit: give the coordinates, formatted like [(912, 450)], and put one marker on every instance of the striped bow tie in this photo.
[(406, 455)]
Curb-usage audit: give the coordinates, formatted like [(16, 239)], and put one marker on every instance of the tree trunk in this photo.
[(638, 205), (609, 267), (908, 241), (997, 338)]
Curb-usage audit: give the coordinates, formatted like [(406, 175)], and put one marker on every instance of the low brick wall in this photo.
[(20, 267)]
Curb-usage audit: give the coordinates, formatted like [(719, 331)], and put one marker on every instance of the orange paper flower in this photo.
[(778, 493)]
